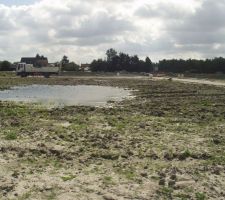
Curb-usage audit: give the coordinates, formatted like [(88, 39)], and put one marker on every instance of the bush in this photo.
[(5, 66), (70, 67)]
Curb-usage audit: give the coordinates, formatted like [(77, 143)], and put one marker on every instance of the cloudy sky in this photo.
[(85, 29)]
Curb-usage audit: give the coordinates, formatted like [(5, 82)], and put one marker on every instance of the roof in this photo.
[(28, 60), (85, 65), (35, 60)]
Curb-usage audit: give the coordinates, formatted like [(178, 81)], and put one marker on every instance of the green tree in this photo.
[(124, 61), (111, 53), (148, 65), (134, 64), (65, 60), (99, 65), (5, 66), (72, 66)]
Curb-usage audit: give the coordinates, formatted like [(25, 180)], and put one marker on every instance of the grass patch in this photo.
[(218, 159), (182, 196), (185, 154), (200, 196), (165, 192), (128, 174), (68, 177), (108, 180), (11, 135)]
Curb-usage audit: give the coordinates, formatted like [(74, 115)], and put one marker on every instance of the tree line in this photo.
[(121, 62), (5, 66), (124, 62), (116, 62), (214, 65)]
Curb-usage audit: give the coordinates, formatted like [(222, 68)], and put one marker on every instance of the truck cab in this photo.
[(20, 69)]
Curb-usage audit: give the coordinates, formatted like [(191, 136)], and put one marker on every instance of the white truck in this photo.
[(25, 70)]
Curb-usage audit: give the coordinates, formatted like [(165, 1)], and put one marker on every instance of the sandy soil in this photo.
[(195, 80), (166, 143)]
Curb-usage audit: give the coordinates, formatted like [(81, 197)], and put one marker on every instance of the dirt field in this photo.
[(166, 143)]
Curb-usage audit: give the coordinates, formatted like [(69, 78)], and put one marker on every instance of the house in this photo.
[(85, 67), (38, 61)]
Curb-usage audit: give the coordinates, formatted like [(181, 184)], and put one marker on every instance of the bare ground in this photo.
[(167, 143)]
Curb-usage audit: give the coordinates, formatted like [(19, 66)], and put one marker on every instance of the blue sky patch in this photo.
[(17, 2)]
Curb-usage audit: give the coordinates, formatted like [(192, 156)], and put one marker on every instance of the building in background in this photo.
[(85, 67), (38, 61)]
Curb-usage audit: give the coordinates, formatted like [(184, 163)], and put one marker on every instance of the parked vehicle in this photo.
[(25, 70)]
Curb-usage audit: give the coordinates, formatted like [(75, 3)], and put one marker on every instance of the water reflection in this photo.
[(60, 95)]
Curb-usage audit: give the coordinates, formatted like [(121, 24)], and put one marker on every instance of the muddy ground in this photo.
[(167, 143)]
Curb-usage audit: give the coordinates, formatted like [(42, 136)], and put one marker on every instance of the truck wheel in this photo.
[(46, 75), (23, 75)]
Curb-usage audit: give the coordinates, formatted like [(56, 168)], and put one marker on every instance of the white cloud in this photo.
[(85, 30)]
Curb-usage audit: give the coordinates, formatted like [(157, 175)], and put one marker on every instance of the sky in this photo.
[(84, 29), (16, 2)]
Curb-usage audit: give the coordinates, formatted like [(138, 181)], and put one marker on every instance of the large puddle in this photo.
[(60, 95)]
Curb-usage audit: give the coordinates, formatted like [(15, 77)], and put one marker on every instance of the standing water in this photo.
[(61, 95)]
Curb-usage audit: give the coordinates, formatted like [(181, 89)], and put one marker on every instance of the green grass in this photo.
[(68, 177), (185, 154), (108, 180), (11, 135), (200, 196), (128, 174), (182, 196), (165, 192)]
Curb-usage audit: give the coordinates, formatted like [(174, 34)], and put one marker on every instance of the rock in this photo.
[(153, 155), (216, 141), (146, 167), (174, 170), (183, 184), (173, 177), (183, 178), (168, 156), (21, 154), (216, 170), (61, 136), (142, 125), (41, 145), (108, 197), (171, 183), (124, 156), (15, 174), (7, 188), (48, 187), (162, 174), (55, 152), (14, 122), (144, 174), (54, 138), (162, 181)]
